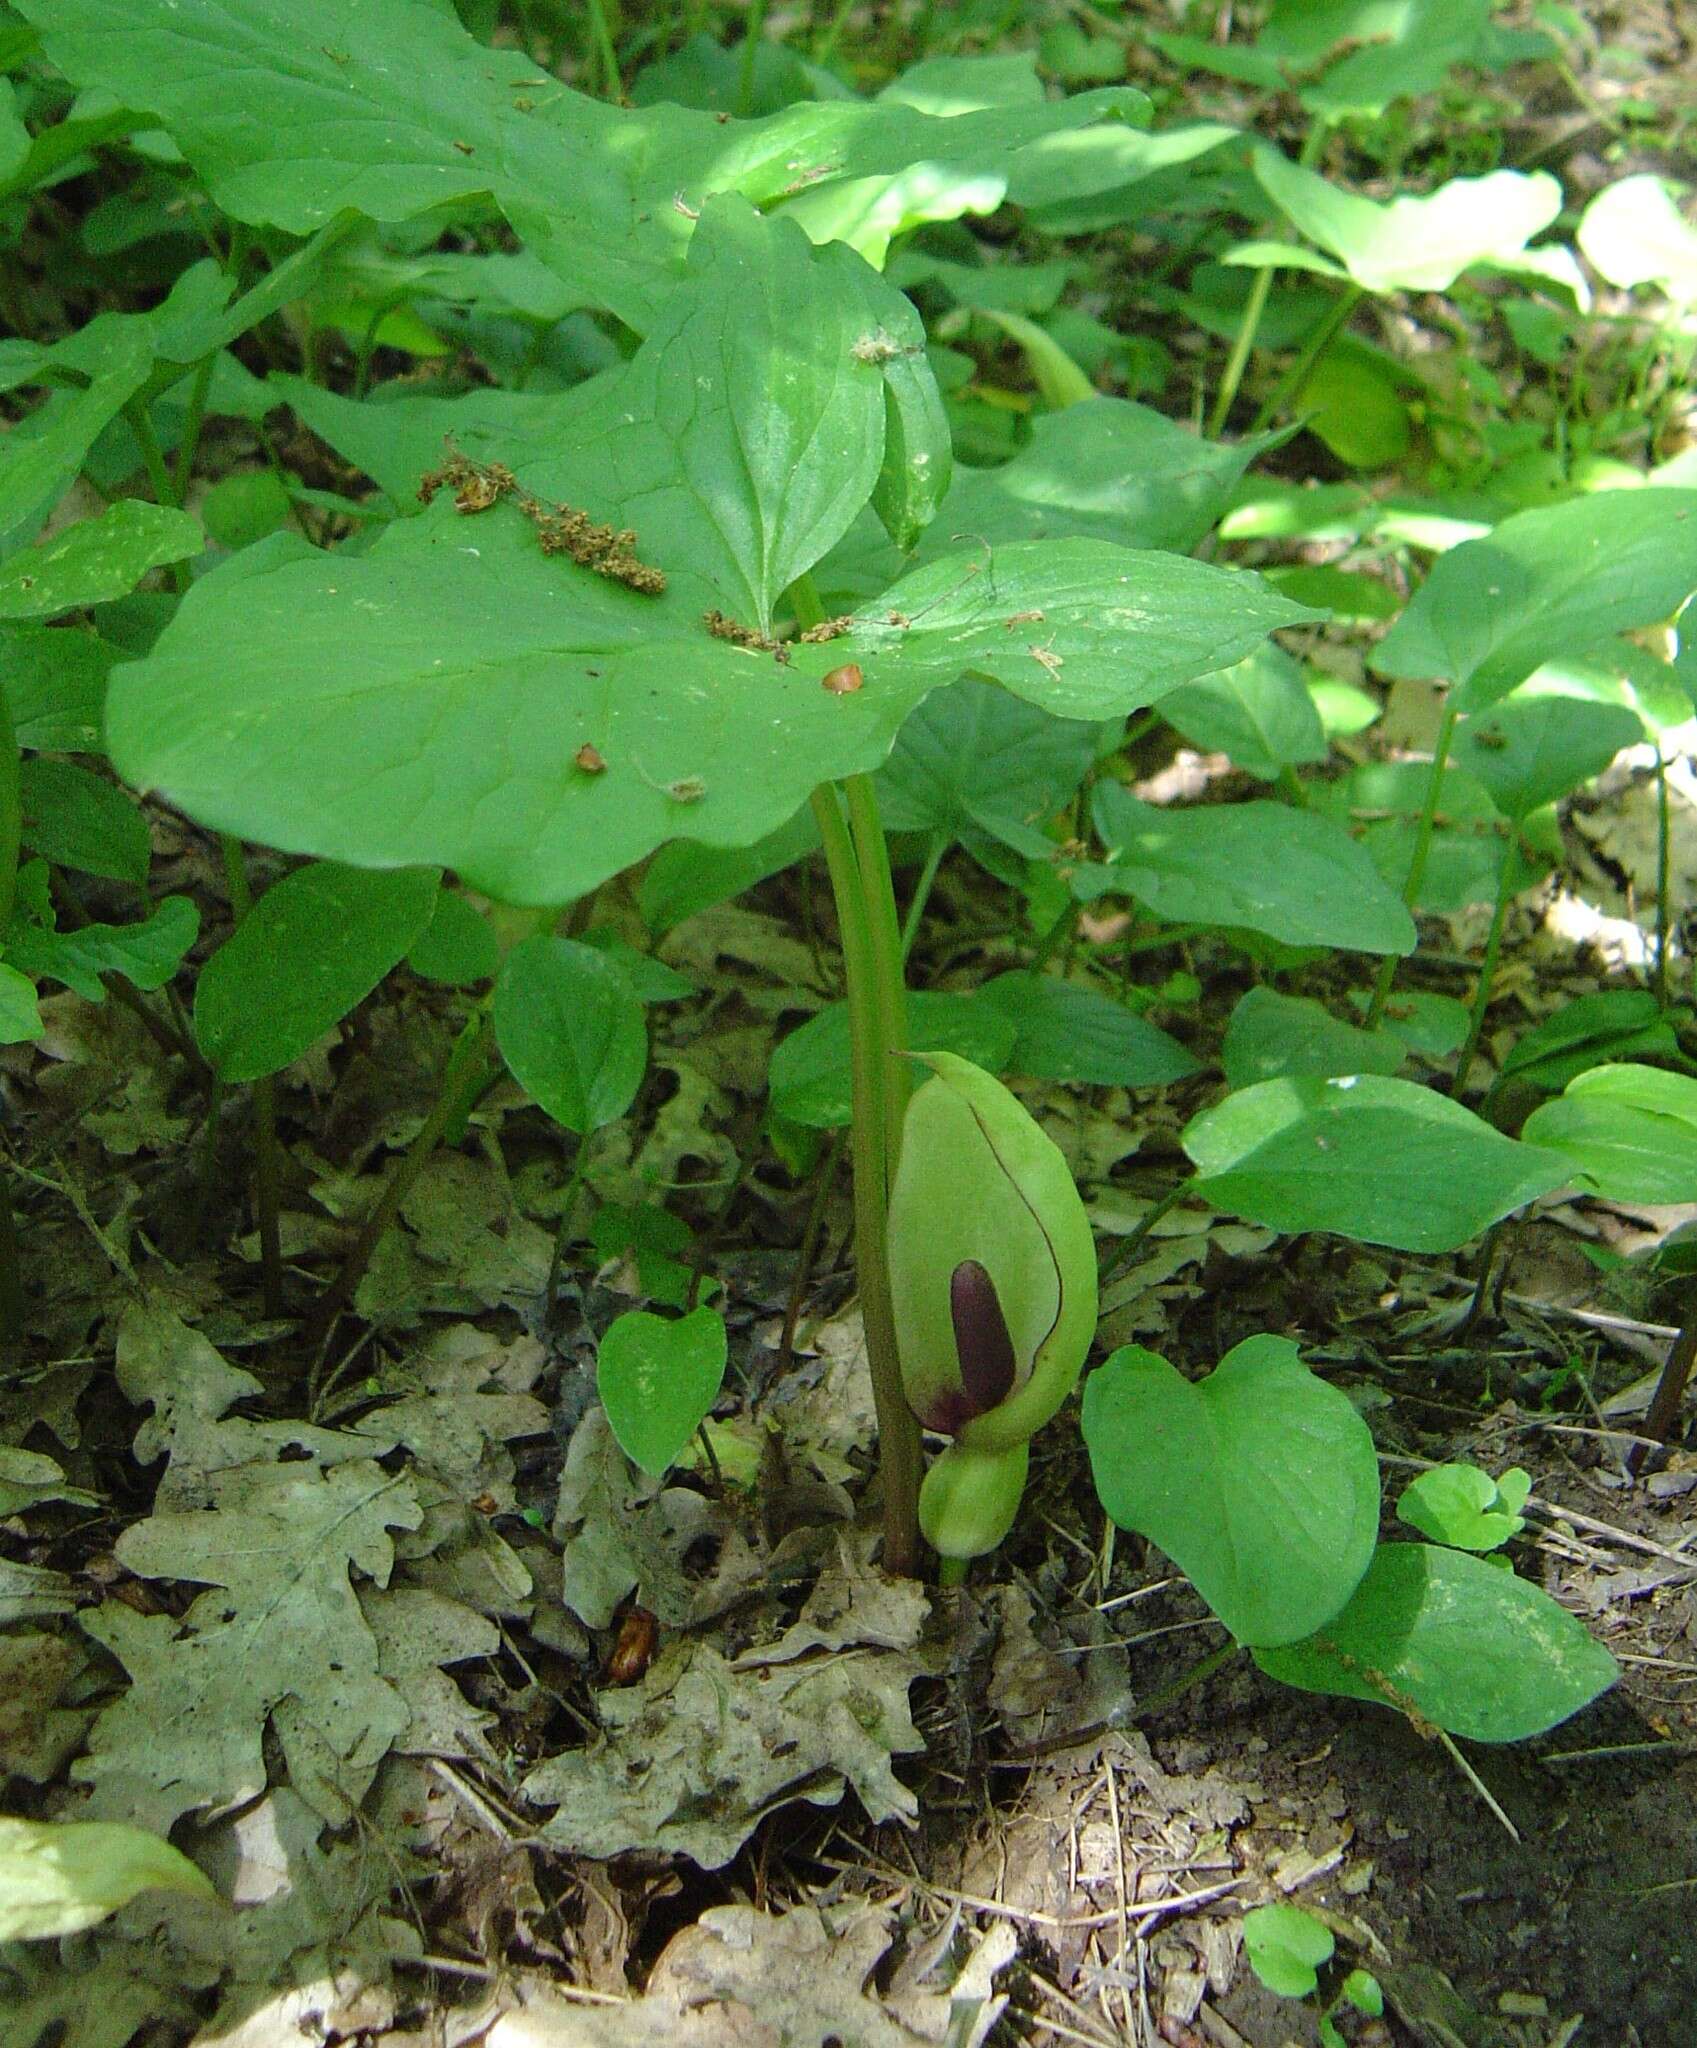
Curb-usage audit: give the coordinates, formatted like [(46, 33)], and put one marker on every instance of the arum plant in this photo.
[(993, 1285)]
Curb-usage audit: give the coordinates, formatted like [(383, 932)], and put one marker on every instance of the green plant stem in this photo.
[(1255, 305), (1664, 857), (153, 460), (922, 890), (1487, 976), (267, 1192), (753, 29), (603, 35), (899, 1453), (11, 811), (11, 1268), (872, 855), (195, 418), (1242, 344), (1121, 1255), (562, 1236), (1417, 860), (1291, 385), (462, 1081)]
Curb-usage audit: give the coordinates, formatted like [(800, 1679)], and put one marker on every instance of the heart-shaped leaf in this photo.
[(1630, 1130), (1545, 584), (1454, 1640), (1368, 1157), (1260, 1482), (658, 1378), (571, 1031), (1069, 1032), (1527, 751), (1261, 866)]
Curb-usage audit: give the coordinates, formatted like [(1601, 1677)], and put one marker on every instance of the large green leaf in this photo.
[(314, 945), (1411, 243), (976, 760), (1106, 469), (1259, 866), (1630, 1130), (1365, 1156), (1269, 1035), (1259, 711), (1070, 1032), (97, 559), (571, 1030), (1260, 1482), (78, 821), (1635, 234), (431, 701), (1546, 584), (1527, 751), (811, 1079), (292, 114), (1453, 1640)]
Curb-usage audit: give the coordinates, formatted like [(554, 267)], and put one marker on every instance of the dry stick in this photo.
[(1670, 1392), (462, 1079), (267, 1178), (810, 1236)]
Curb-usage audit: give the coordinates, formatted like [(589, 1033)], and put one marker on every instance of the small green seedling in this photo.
[(1465, 1507), (1289, 1948)]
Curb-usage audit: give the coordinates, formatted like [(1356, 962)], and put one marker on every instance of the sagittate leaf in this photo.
[(1630, 1130), (1260, 1482), (571, 1030), (1261, 866), (1448, 1638), (312, 947), (59, 1877), (146, 954), (1413, 243), (658, 1377), (1545, 584), (1367, 1156), (97, 559)]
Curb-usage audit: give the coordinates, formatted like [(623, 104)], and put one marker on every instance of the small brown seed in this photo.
[(842, 681), (589, 759)]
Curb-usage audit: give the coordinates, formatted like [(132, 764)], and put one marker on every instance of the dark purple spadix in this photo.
[(981, 1338)]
